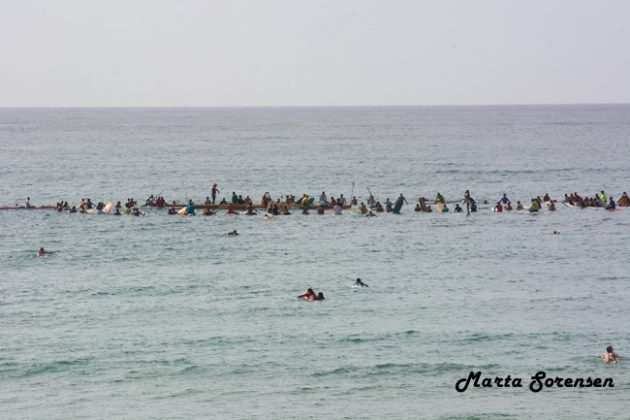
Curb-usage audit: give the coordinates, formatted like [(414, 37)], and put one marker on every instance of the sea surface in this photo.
[(168, 317)]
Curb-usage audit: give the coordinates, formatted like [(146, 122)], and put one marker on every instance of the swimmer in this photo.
[(370, 214), (610, 356), (308, 295), (42, 252), (359, 283), (171, 210), (556, 232), (320, 296), (233, 233)]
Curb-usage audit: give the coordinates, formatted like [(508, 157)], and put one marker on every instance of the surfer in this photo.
[(320, 296), (321, 210), (363, 208), (610, 356), (214, 192), (399, 203), (468, 200), (359, 283), (337, 208), (624, 201), (190, 208), (208, 212), (371, 202), (233, 233), (458, 209), (118, 213), (308, 295), (370, 214), (73, 209), (28, 202), (323, 199), (519, 206), (42, 252), (504, 200), (551, 205), (439, 198), (611, 204)]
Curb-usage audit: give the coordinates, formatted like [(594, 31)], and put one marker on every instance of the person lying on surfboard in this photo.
[(42, 252), (359, 283), (308, 295)]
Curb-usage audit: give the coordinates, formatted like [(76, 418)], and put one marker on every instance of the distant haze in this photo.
[(318, 52)]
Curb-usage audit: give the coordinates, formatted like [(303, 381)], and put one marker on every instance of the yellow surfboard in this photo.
[(182, 211), (108, 207), (439, 207)]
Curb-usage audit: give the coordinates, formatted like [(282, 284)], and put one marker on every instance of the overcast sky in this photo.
[(317, 52)]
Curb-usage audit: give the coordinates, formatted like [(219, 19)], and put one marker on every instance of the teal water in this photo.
[(168, 317)]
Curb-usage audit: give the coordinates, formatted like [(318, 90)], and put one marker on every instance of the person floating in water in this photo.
[(458, 209), (308, 295), (42, 252), (610, 356), (370, 214), (320, 296), (359, 283), (611, 204), (233, 233)]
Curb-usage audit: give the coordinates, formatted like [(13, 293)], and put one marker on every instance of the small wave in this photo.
[(14, 370), (385, 369)]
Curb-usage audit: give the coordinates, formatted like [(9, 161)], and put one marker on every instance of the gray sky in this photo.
[(318, 52)]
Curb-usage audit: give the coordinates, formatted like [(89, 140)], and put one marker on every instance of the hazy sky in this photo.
[(317, 52)]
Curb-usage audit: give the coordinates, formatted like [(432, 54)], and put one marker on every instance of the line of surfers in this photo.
[(305, 202)]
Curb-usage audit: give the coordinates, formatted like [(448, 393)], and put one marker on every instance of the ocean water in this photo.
[(168, 317)]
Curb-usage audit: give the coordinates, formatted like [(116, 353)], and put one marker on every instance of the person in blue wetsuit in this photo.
[(190, 208), (399, 203), (504, 200), (611, 204)]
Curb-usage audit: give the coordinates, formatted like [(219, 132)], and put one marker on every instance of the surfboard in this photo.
[(90, 211), (108, 207), (182, 211), (439, 207), (398, 206)]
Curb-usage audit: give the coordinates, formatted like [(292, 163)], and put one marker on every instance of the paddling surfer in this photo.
[(42, 252), (610, 356)]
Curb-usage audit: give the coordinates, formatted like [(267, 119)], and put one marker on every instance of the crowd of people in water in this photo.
[(87, 206), (306, 203)]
